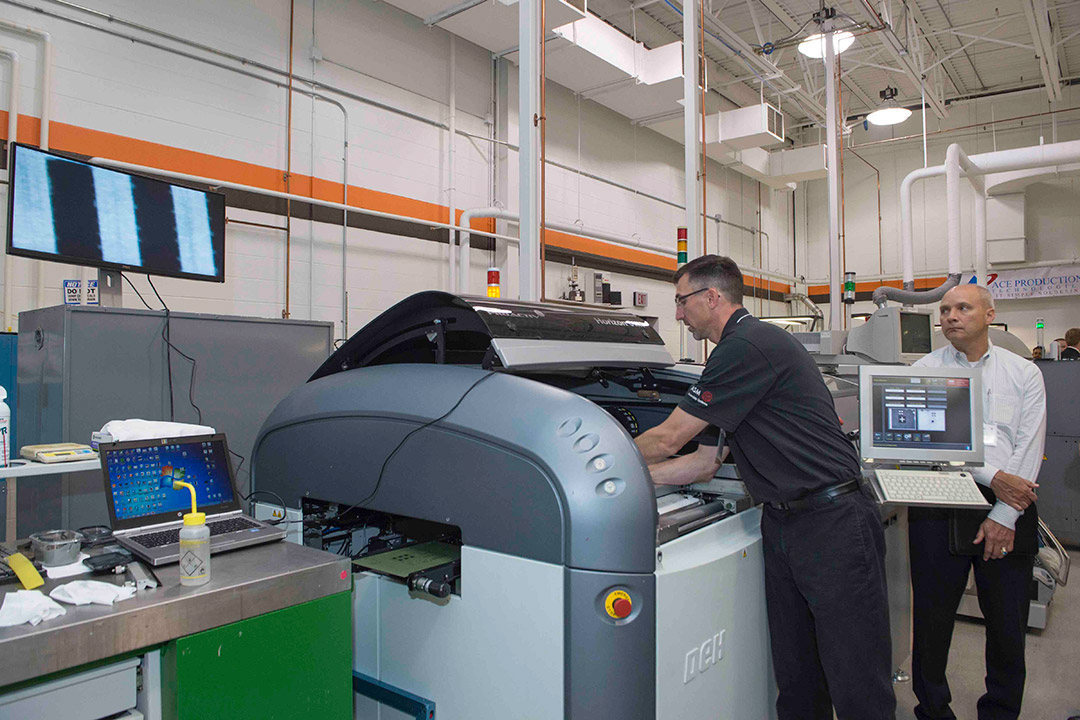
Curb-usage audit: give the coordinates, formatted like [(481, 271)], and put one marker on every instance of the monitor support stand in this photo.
[(110, 290)]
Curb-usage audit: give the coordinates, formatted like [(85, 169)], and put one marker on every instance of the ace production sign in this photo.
[(1032, 282)]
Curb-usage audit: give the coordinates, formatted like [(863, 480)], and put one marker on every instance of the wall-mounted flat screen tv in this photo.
[(75, 212)]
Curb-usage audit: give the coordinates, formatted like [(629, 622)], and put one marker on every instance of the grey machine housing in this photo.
[(434, 411)]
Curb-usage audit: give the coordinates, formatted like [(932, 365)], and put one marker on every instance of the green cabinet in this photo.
[(294, 663)]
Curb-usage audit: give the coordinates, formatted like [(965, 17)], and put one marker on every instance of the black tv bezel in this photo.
[(102, 264)]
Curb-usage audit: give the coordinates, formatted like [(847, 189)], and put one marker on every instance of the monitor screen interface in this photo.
[(135, 475), (922, 413), (70, 211), (914, 333)]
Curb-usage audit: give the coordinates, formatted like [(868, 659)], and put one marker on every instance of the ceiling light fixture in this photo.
[(814, 46), (890, 113)]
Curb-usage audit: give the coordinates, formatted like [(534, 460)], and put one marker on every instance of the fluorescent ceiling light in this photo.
[(814, 46)]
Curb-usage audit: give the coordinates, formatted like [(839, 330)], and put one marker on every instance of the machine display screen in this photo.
[(134, 477), (65, 210), (914, 333), (924, 413)]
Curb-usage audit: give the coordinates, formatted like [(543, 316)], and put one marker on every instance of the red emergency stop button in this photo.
[(618, 604)]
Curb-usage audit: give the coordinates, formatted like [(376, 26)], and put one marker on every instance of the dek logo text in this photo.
[(703, 657)]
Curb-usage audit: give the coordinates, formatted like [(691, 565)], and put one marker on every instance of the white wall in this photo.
[(112, 85), (1052, 215)]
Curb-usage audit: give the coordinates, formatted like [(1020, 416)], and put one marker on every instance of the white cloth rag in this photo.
[(28, 606), (134, 429), (84, 592)]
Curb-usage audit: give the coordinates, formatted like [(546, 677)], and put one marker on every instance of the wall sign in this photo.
[(1032, 282), (72, 292)]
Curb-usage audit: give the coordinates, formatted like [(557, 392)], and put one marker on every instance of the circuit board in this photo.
[(405, 561)]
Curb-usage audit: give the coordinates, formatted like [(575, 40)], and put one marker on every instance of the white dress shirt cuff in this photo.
[(1004, 515), (983, 475)]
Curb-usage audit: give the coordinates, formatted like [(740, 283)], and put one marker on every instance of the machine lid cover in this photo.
[(409, 332)]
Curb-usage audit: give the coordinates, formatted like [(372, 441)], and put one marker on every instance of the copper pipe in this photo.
[(945, 131), (543, 150), (230, 221), (881, 263), (288, 161)]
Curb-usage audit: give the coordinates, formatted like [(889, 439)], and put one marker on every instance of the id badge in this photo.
[(990, 434)]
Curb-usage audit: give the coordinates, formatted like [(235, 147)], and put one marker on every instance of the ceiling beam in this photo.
[(901, 56), (1038, 18), (925, 29)]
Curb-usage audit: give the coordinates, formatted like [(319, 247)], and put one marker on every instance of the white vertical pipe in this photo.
[(980, 239), (834, 175), (691, 149), (529, 36), (907, 243), (952, 201), (460, 285), (13, 95), (12, 135), (46, 99)]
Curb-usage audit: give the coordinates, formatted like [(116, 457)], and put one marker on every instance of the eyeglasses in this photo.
[(680, 300)]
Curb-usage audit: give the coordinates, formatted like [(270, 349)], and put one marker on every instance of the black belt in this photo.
[(819, 497)]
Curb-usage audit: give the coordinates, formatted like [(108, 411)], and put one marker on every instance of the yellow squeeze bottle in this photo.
[(194, 543)]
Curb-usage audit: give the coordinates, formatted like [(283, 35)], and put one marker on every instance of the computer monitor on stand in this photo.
[(916, 420), (69, 211)]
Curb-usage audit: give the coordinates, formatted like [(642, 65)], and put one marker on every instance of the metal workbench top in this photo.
[(244, 583)]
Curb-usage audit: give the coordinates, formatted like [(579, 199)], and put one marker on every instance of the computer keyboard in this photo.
[(927, 488), (218, 527)]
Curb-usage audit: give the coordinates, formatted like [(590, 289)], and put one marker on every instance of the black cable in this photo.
[(166, 335), (125, 277), (281, 504), (412, 432)]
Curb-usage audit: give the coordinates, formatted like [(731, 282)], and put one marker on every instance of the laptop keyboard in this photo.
[(217, 527)]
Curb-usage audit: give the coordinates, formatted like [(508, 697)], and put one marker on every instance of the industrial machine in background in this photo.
[(476, 458)]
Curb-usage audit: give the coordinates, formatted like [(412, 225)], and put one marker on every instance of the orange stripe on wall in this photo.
[(97, 143), (871, 285)]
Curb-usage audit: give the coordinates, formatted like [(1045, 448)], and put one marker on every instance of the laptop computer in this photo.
[(146, 518)]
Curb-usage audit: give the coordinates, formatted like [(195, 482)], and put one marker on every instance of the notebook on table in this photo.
[(146, 517)]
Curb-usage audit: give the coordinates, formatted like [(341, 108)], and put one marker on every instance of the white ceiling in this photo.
[(957, 63)]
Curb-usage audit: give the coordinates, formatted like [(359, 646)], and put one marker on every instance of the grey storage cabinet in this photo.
[(1059, 477), (81, 366)]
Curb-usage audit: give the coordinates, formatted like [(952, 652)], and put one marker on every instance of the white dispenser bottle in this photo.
[(5, 429), (194, 550)]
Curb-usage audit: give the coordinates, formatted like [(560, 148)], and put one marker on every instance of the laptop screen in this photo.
[(134, 472)]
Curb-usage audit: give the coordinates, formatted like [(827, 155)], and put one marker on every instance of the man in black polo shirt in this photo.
[(823, 541)]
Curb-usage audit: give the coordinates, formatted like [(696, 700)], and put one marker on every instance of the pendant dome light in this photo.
[(890, 112), (814, 46)]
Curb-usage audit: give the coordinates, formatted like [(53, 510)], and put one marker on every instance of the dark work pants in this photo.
[(829, 611), (938, 579)]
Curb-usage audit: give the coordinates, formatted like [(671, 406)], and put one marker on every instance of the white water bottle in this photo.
[(5, 429)]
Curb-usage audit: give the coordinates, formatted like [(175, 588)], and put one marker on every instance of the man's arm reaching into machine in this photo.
[(668, 437), (697, 466)]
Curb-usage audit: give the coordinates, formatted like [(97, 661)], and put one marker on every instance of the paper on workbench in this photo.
[(28, 606), (62, 571)]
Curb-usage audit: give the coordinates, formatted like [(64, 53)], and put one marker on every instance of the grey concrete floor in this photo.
[(1053, 664)]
